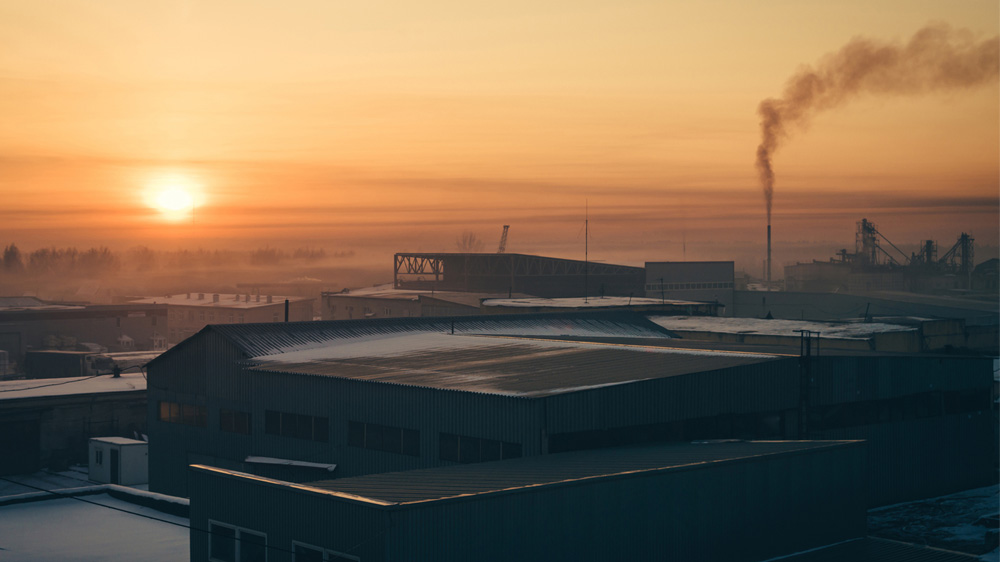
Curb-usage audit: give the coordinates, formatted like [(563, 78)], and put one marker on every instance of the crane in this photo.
[(503, 239)]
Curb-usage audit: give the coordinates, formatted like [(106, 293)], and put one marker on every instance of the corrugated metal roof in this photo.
[(513, 367), (877, 550), (268, 339), (437, 484)]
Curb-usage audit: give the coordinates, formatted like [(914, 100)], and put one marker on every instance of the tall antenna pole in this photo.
[(586, 248)]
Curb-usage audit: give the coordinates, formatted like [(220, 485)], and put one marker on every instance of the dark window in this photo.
[(253, 547), (187, 414), (383, 438), (298, 426), (307, 554), (222, 543), (234, 422), (461, 448), (411, 442)]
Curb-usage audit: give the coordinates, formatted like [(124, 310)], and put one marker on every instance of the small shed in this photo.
[(119, 460)]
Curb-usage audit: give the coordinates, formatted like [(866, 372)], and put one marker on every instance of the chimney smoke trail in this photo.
[(936, 58)]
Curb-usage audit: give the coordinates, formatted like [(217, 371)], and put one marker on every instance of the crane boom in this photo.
[(503, 240)]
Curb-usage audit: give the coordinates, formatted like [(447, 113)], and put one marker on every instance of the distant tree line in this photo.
[(54, 261)]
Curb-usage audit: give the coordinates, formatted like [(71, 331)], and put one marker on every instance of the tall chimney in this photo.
[(286, 310), (768, 256)]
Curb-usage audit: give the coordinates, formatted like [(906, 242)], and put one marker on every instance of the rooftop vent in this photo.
[(201, 296), (268, 299), (215, 297)]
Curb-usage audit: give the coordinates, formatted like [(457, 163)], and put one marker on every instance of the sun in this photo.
[(175, 196)]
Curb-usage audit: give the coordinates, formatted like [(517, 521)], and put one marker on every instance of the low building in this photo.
[(27, 324), (703, 281), (189, 312), (118, 460), (536, 305), (385, 301), (48, 423), (538, 276), (735, 501)]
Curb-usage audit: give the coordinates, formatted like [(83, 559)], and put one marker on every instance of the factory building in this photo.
[(707, 281), (27, 323), (514, 273), (190, 312), (385, 301), (307, 401), (735, 501)]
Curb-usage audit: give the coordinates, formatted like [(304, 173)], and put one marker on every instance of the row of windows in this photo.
[(460, 448), (383, 438), (210, 317), (686, 286), (187, 414), (299, 426), (229, 543)]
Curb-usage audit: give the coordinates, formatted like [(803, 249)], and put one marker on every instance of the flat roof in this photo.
[(504, 365), (589, 302), (870, 549), (759, 326), (92, 528), (226, 300), (41, 388), (479, 479)]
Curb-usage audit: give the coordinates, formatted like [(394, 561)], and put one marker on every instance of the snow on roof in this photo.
[(288, 462), (504, 365), (71, 529), (833, 330), (9, 304), (589, 302), (37, 388), (226, 300), (118, 440)]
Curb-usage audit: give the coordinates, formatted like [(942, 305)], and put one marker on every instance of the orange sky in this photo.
[(400, 124)]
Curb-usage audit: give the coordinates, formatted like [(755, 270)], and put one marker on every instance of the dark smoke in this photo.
[(935, 58)]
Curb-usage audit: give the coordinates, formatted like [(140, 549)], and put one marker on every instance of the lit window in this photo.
[(235, 544)]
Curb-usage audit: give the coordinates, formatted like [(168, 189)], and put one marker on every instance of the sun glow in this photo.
[(176, 196)]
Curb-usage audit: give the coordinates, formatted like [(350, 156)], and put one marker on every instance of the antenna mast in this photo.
[(586, 248)]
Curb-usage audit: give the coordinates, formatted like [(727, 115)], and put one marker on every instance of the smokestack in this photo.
[(936, 58), (286, 310), (769, 256)]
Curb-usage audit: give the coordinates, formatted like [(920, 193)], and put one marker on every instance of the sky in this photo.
[(396, 126)]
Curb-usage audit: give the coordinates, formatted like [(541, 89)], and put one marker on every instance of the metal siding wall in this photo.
[(285, 515), (747, 510), (761, 387), (927, 457), (850, 379)]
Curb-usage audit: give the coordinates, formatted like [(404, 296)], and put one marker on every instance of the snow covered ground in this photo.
[(963, 522), (91, 528), (727, 325), (34, 388)]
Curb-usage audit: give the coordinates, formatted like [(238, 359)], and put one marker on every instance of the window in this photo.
[(211, 317), (201, 315), (309, 553), (463, 449), (275, 316), (234, 544), (233, 421), (185, 414), (298, 426), (231, 316), (241, 318), (99, 456), (383, 438), (153, 318)]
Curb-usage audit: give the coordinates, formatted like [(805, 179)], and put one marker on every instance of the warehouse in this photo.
[(693, 502), (302, 401), (538, 276)]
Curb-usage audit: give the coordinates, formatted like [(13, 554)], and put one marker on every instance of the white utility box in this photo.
[(119, 460)]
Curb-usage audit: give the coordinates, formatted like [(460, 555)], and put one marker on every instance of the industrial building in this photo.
[(536, 305), (385, 301), (514, 273), (27, 323), (190, 312), (304, 401), (47, 423), (735, 501), (707, 281)]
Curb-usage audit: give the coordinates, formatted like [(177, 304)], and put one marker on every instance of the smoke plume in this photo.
[(935, 58)]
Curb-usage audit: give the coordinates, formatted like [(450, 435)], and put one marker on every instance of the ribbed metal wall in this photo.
[(760, 387), (696, 514)]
